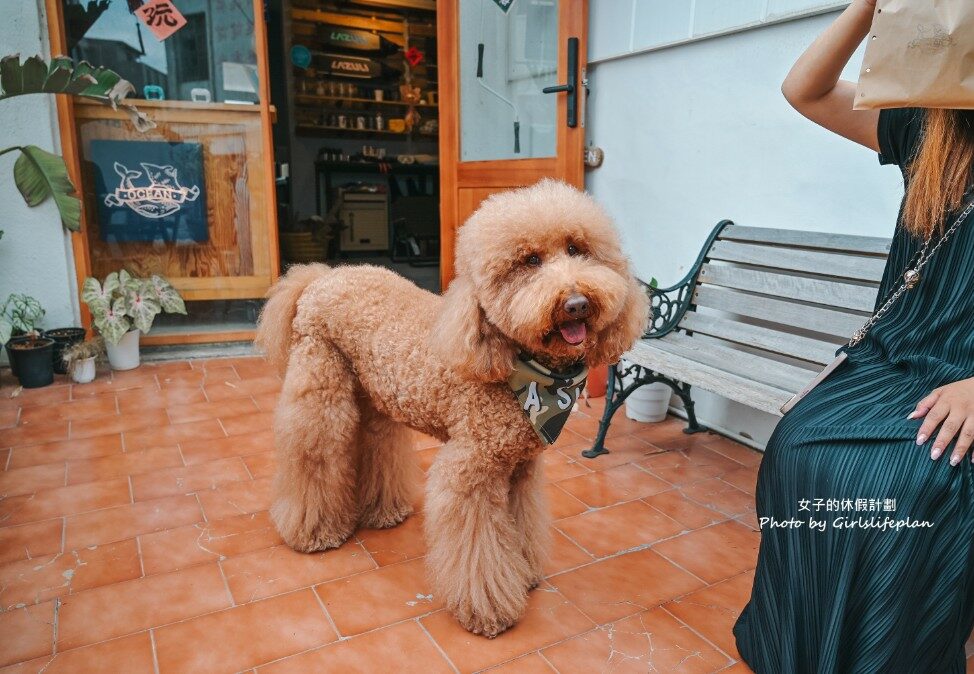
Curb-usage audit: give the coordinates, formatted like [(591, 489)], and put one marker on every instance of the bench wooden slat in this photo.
[(829, 293), (811, 261), (796, 346), (734, 361), (817, 319), (795, 237), (751, 393)]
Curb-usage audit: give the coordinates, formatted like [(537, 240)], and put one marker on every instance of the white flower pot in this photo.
[(125, 354), (648, 403), (83, 371)]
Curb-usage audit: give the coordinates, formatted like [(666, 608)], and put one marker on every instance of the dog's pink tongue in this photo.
[(573, 332)]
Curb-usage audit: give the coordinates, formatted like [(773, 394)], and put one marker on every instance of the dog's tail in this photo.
[(274, 329)]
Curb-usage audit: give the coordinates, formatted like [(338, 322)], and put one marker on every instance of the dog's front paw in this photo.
[(489, 625), (490, 621), (384, 518)]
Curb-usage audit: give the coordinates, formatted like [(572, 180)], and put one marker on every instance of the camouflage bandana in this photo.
[(546, 397)]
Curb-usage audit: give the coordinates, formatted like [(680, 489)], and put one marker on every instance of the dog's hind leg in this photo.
[(316, 424), (388, 472), (475, 554), (530, 514)]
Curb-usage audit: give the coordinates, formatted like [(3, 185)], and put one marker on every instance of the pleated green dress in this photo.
[(871, 600)]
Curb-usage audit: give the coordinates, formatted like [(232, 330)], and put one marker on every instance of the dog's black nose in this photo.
[(576, 306)]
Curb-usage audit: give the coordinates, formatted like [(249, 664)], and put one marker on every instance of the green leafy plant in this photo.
[(39, 174), (21, 313), (124, 301)]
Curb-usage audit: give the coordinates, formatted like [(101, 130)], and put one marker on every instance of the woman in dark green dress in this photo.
[(886, 437)]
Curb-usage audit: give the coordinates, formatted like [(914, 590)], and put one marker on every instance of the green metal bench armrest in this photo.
[(669, 305)]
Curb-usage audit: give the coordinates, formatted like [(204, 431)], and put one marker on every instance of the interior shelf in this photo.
[(314, 98)]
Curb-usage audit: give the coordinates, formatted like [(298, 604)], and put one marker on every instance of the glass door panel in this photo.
[(191, 199), (506, 59)]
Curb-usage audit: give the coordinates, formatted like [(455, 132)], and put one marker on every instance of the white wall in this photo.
[(35, 252), (622, 27), (699, 132)]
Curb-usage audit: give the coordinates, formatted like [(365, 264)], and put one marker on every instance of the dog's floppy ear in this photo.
[(623, 332), (466, 342)]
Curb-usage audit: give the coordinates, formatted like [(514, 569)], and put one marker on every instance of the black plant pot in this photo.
[(63, 338), (13, 365), (30, 358)]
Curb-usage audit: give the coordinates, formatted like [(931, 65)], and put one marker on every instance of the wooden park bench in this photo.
[(759, 314)]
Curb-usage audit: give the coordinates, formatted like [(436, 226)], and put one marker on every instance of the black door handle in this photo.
[(571, 87)]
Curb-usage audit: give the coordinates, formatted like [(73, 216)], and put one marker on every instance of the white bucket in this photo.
[(83, 371), (648, 403), (125, 354)]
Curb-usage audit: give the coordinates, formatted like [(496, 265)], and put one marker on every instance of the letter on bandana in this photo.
[(546, 397)]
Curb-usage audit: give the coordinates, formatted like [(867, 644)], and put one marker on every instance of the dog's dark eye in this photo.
[(573, 250), (533, 260)]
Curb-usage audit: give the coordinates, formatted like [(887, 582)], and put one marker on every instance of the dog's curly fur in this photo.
[(368, 354)]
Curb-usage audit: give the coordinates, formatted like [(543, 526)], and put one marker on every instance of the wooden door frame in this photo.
[(71, 152), (572, 20)]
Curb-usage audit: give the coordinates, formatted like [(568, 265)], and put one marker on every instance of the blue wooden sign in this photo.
[(150, 191)]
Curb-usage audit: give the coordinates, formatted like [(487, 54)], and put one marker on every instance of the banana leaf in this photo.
[(64, 76), (39, 175)]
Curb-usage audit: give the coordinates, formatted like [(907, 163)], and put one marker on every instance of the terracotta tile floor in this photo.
[(134, 536)]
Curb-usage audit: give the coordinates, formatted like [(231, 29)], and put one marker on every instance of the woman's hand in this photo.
[(950, 407)]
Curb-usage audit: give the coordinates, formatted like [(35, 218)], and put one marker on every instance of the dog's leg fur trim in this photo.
[(316, 425)]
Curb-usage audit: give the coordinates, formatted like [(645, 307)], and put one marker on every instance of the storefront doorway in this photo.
[(335, 131)]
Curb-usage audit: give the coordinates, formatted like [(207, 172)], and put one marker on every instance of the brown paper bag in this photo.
[(920, 53)]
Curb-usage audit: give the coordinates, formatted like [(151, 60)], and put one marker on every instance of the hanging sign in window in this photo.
[(149, 191), (161, 17)]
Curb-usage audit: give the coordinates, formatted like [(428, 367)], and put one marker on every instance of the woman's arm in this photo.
[(813, 86)]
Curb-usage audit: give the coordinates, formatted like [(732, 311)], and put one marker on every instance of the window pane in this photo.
[(211, 58), (520, 57)]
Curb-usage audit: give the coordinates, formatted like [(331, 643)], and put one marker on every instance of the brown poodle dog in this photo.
[(368, 355)]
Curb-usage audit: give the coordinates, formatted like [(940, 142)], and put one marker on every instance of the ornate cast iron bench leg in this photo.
[(683, 390), (616, 394), (612, 403)]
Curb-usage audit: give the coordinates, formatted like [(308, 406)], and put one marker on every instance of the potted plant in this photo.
[(32, 355), (125, 306), (19, 315), (79, 359), (63, 339)]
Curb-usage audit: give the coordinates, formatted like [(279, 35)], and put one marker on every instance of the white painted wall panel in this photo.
[(700, 132), (35, 252), (659, 22), (711, 16), (609, 28)]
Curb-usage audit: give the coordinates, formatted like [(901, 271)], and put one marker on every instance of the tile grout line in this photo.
[(138, 548), (54, 631), (331, 621), (644, 546), (699, 634), (155, 656), (202, 509), (226, 583), (436, 645), (546, 660)]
